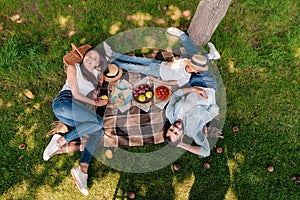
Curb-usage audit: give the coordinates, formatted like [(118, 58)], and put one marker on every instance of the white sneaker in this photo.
[(52, 147), (175, 31), (213, 53), (80, 179), (107, 49)]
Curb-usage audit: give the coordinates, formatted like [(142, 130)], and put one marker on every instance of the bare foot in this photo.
[(61, 127), (84, 167), (61, 142)]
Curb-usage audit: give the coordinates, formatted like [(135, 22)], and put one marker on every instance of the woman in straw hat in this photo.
[(84, 66)]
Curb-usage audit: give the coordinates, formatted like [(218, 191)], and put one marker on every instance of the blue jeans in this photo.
[(142, 65), (188, 45), (204, 78), (83, 120), (151, 66)]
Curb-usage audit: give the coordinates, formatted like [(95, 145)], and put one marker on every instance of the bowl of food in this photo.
[(143, 93), (162, 92)]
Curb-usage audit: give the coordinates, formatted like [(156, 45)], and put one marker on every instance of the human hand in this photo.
[(151, 78), (101, 102), (200, 92), (180, 144), (95, 94)]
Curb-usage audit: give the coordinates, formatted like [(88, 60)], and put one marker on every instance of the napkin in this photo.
[(121, 95)]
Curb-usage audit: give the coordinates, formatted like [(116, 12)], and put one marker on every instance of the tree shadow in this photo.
[(154, 185)]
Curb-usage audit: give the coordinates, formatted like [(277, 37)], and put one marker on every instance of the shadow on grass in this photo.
[(191, 181)]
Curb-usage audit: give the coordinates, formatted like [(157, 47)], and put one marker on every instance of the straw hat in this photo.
[(76, 55), (112, 73), (200, 61)]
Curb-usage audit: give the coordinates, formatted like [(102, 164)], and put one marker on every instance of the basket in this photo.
[(76, 55)]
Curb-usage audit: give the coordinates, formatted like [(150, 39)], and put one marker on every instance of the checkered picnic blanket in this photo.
[(134, 127)]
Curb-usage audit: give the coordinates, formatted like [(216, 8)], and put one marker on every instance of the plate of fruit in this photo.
[(143, 93), (162, 92)]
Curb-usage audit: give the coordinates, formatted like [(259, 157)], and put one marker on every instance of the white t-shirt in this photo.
[(84, 86), (175, 72)]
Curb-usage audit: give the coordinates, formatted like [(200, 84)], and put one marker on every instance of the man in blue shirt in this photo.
[(188, 111)]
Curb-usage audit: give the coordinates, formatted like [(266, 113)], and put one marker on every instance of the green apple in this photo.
[(142, 98), (149, 94)]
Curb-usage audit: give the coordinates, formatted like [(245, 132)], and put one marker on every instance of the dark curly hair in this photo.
[(167, 139)]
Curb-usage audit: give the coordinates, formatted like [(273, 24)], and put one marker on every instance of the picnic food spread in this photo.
[(143, 93), (162, 92)]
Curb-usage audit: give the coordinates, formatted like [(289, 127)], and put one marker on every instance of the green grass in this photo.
[(259, 43)]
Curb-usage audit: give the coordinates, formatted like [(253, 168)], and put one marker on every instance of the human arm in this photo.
[(170, 83), (190, 148), (198, 91), (72, 80), (202, 151), (176, 97)]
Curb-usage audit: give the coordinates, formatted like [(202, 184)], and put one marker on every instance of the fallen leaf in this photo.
[(82, 40), (108, 154), (36, 106), (71, 33), (15, 17), (19, 21), (28, 94)]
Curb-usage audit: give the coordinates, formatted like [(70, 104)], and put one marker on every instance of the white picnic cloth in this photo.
[(121, 95)]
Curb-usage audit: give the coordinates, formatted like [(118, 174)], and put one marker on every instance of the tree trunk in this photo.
[(208, 15)]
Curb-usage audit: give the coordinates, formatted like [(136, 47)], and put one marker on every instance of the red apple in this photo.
[(131, 195), (206, 165), (22, 146), (235, 129), (270, 168), (176, 167), (219, 150)]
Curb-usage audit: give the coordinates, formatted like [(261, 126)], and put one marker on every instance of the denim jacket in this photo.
[(194, 120)]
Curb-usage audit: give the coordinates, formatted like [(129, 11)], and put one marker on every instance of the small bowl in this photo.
[(163, 89), (141, 90)]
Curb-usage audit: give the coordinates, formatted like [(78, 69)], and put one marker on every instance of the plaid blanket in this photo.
[(134, 127)]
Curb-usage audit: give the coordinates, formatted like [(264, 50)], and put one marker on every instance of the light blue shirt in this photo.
[(194, 117)]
